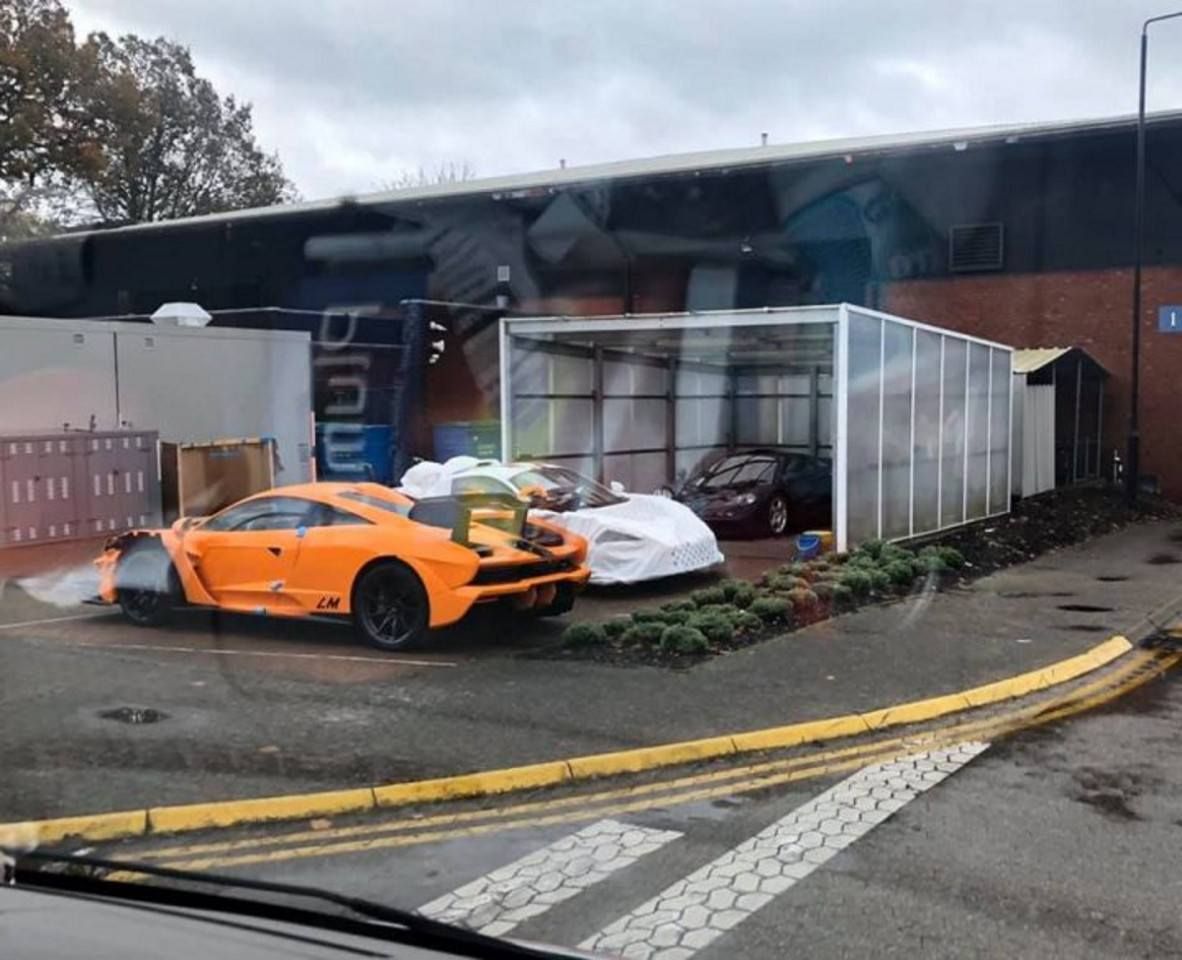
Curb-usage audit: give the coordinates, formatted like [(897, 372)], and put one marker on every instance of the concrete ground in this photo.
[(253, 708), (1056, 841)]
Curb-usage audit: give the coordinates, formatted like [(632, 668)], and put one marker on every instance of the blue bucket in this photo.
[(808, 545)]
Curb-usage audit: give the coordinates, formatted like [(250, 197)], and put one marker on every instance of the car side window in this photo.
[(479, 485), (266, 513), (323, 515)]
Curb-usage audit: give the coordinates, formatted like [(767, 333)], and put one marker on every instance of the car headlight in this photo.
[(664, 491), (615, 536), (746, 499)]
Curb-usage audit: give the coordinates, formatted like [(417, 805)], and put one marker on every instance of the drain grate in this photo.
[(1085, 608), (1113, 578), (134, 715)]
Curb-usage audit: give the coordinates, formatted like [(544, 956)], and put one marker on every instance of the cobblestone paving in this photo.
[(495, 903), (701, 907)]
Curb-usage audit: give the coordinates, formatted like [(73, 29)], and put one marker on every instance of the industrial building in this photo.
[(1021, 235)]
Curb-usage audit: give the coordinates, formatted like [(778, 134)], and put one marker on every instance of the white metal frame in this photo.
[(792, 316)]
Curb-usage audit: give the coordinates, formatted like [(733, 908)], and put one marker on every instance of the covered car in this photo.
[(397, 567), (630, 537), (760, 492)]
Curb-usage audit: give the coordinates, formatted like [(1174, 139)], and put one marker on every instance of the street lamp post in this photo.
[(1133, 453)]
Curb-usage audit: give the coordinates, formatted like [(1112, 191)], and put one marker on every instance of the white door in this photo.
[(1038, 439)]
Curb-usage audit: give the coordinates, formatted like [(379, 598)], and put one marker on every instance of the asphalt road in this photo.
[(1060, 841), (251, 707)]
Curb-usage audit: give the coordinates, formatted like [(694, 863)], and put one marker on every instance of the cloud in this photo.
[(352, 92)]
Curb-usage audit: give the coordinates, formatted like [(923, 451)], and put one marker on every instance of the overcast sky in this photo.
[(351, 92)]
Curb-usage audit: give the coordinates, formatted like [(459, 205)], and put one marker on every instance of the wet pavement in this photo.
[(257, 707), (1059, 841)]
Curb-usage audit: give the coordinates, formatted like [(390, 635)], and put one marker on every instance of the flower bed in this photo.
[(736, 613)]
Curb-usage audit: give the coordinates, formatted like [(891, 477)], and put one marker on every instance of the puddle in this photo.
[(1115, 578), (1085, 608), (1033, 594), (1164, 558), (1086, 627), (1111, 803)]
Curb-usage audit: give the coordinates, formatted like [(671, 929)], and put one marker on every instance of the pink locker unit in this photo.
[(66, 486)]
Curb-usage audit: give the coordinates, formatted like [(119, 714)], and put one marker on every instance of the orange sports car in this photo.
[(395, 565)]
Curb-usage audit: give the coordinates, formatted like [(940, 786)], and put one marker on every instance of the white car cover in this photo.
[(644, 538)]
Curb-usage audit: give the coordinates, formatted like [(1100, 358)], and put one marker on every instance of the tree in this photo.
[(444, 173), (46, 130), (47, 135), (172, 146)]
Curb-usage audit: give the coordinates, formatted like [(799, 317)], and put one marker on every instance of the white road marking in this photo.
[(495, 903), (47, 620), (701, 907), (224, 652)]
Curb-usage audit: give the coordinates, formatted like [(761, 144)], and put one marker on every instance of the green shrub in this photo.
[(879, 579), (682, 639), (900, 571), (708, 595), (772, 609), (840, 557), (729, 586), (861, 560), (934, 563), (843, 597), (616, 626), (674, 605), (643, 633), (857, 581), (817, 566), (785, 582), (872, 548), (584, 635), (650, 616), (743, 595), (728, 610), (802, 601), (717, 627), (824, 592), (952, 557), (748, 622)]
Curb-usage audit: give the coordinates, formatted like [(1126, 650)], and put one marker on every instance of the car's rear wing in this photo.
[(456, 513)]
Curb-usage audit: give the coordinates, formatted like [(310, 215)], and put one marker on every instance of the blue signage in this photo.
[(1169, 319)]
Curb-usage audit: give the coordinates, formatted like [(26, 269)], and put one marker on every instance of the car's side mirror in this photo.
[(616, 486)]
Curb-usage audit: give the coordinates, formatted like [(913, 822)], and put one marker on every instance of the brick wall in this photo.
[(1085, 309)]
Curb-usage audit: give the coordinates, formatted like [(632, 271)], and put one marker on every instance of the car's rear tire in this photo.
[(147, 586), (563, 602), (390, 607), (777, 515)]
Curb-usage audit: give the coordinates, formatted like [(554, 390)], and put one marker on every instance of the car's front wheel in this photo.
[(390, 607), (777, 515), (147, 586)]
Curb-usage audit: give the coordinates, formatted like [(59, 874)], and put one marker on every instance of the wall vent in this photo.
[(975, 246)]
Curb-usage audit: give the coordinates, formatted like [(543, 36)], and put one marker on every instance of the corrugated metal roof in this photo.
[(718, 160), (1028, 361)]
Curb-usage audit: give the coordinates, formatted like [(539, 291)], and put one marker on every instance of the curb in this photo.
[(199, 816)]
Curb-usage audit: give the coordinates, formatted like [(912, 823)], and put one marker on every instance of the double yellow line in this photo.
[(390, 833)]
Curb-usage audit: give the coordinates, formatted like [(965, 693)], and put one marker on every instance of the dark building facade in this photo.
[(1021, 234)]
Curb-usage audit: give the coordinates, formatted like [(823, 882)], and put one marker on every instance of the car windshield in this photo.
[(667, 480), (563, 489), (737, 471)]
